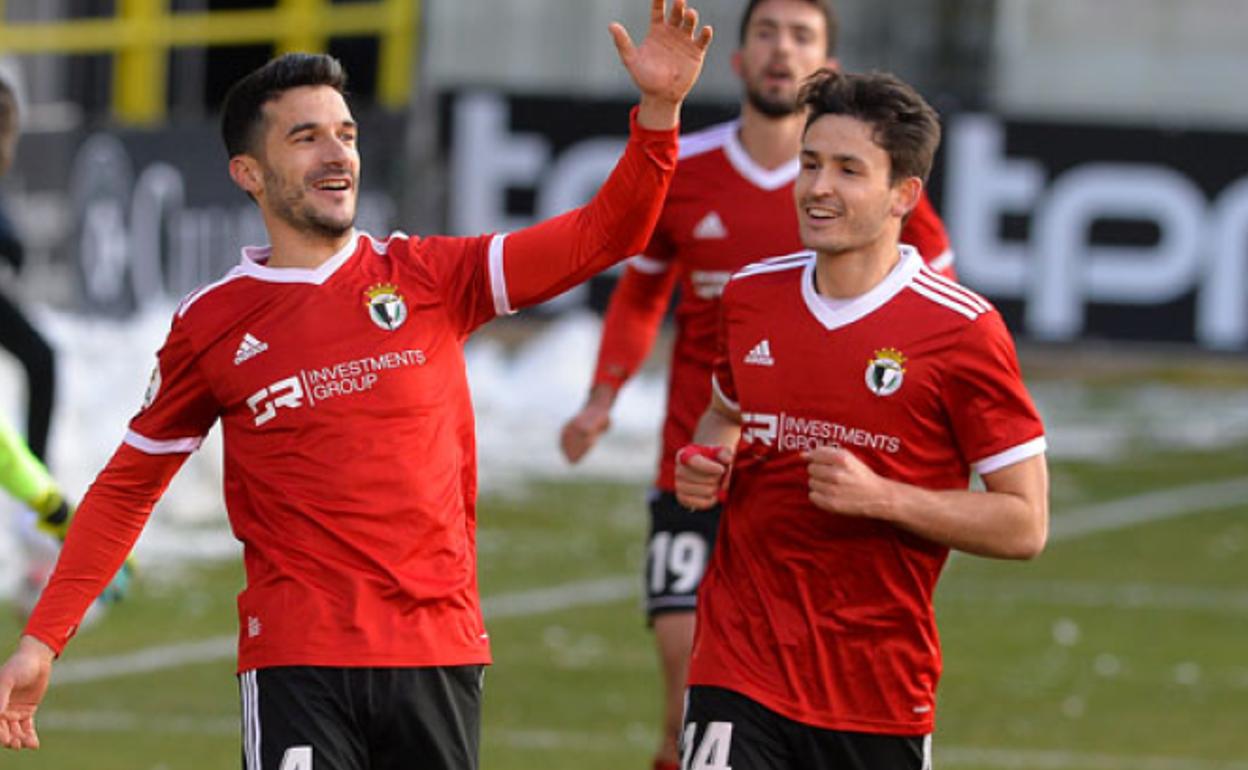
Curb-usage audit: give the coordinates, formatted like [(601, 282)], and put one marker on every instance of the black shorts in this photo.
[(726, 729), (304, 717), (680, 544)]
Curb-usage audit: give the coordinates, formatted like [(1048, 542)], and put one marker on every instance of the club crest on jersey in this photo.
[(886, 371), (386, 306), (153, 388)]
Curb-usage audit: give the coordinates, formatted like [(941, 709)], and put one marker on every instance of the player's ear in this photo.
[(906, 195), (736, 62), (246, 173)]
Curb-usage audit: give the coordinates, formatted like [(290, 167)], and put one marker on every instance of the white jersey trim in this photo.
[(774, 264), (193, 297), (907, 267), (498, 278), (767, 179), (725, 136), (942, 261), (254, 258), (944, 292), (707, 140), (953, 287), (152, 446), (649, 265), (1010, 456), (719, 393)]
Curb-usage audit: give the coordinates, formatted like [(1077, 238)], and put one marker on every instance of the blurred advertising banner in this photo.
[(1075, 231), (142, 216)]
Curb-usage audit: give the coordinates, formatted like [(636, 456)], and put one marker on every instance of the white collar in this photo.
[(863, 305), (254, 258)]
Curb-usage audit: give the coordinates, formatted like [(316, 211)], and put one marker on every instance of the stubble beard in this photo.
[(770, 106), (290, 207)]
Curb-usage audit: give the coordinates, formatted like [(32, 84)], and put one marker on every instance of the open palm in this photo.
[(23, 682), (666, 64)]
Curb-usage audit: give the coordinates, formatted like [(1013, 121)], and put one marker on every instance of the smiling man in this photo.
[(854, 391), (334, 362), (730, 204)]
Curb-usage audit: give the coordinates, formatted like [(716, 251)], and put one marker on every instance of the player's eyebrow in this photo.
[(308, 125)]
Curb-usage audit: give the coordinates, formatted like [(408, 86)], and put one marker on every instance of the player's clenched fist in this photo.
[(841, 483), (700, 474)]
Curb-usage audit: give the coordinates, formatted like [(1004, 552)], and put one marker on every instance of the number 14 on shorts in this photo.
[(710, 753)]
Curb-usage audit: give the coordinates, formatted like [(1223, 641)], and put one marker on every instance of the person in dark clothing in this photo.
[(17, 334)]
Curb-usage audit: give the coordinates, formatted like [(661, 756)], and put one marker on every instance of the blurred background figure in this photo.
[(17, 334)]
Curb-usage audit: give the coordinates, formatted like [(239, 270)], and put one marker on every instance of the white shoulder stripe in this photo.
[(1010, 456), (802, 255), (775, 264), (941, 299), (966, 299), (941, 261), (170, 447), (954, 288), (706, 140), (194, 296), (498, 278), (759, 268)]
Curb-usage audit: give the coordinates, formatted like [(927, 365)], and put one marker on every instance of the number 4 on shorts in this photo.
[(712, 751), (297, 758)]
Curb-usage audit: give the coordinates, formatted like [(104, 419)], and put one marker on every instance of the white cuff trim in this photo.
[(719, 393), (1010, 456), (169, 447), (498, 279)]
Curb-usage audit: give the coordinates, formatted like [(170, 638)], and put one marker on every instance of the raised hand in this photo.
[(666, 64), (23, 682)]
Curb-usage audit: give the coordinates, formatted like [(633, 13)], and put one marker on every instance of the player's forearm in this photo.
[(631, 325), (1001, 524), (717, 427), (551, 257), (101, 536)]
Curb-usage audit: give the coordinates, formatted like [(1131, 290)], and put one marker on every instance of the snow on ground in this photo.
[(522, 397)]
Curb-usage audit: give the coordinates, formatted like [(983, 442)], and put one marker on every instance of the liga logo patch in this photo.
[(886, 371), (386, 306)]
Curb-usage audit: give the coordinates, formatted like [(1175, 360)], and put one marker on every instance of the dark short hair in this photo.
[(242, 114), (902, 123), (832, 24)]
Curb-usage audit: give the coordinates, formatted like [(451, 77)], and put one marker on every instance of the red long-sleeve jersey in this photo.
[(723, 212), (350, 458)]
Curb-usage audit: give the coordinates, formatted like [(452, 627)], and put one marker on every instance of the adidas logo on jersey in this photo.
[(761, 355), (249, 348), (710, 228)]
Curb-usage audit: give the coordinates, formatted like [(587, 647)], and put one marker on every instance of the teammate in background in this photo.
[(854, 391), (27, 480), (17, 334), (334, 361), (731, 203)]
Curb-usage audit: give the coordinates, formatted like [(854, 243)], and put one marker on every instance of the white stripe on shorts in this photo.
[(251, 720)]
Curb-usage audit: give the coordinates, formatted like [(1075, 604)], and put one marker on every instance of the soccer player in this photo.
[(17, 334), (854, 391), (334, 362), (731, 203)]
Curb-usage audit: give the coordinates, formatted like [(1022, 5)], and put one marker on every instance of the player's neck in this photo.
[(770, 142), (296, 248), (850, 274)]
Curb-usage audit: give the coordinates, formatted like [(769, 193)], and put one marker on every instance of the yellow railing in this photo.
[(143, 31)]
